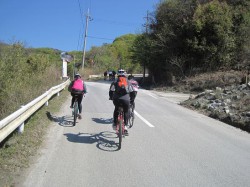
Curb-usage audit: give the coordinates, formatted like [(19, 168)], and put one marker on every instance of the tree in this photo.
[(213, 41)]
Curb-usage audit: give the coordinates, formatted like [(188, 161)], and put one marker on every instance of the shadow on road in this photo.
[(103, 140), (66, 121), (103, 120)]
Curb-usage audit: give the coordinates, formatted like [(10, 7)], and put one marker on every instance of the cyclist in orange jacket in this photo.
[(120, 96)]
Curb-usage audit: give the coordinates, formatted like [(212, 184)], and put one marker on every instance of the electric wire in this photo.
[(115, 22), (100, 38), (81, 13), (128, 24), (82, 23)]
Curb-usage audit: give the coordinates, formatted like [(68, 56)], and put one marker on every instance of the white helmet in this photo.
[(121, 72)]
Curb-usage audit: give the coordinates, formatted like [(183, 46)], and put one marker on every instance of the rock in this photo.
[(218, 89), (248, 114), (210, 96), (226, 109), (200, 95), (209, 91)]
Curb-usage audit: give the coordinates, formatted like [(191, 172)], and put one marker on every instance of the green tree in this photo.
[(213, 41), (113, 56), (241, 21)]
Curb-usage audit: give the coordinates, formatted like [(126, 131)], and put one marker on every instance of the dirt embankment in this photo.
[(221, 95)]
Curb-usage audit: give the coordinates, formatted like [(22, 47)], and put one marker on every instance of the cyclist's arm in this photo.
[(70, 86), (111, 91)]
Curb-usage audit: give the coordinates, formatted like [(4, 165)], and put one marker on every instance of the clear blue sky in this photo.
[(60, 24)]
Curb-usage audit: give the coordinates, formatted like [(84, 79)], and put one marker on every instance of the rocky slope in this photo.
[(221, 95), (230, 104)]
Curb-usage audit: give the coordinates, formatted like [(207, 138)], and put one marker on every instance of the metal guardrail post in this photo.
[(21, 128)]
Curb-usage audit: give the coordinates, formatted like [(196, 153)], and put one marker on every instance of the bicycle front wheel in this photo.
[(75, 113)]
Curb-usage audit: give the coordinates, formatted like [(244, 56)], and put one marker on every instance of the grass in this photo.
[(18, 149)]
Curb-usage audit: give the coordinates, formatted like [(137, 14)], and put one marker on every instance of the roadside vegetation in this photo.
[(25, 74), (18, 150)]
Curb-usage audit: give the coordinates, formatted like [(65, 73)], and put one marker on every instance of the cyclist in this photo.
[(105, 75), (135, 86), (77, 88), (113, 75), (119, 92)]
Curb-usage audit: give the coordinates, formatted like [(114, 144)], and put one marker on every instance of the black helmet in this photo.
[(77, 75)]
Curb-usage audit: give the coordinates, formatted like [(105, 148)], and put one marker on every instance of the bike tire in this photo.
[(120, 133), (75, 113)]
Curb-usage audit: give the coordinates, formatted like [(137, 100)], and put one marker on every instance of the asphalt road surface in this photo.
[(169, 145)]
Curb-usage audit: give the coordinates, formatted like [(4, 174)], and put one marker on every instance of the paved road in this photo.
[(168, 146)]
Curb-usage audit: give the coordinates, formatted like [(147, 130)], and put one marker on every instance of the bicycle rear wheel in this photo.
[(120, 133)]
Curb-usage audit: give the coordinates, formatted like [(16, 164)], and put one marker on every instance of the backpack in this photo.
[(135, 85), (122, 86), (77, 87)]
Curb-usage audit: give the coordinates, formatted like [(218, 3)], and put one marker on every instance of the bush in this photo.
[(24, 75)]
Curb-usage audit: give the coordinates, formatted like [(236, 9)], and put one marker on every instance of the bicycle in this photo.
[(75, 110), (120, 126), (131, 115)]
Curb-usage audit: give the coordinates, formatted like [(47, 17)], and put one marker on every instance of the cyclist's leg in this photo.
[(80, 96), (134, 101), (125, 104), (132, 104), (72, 100), (116, 113), (132, 98), (79, 101)]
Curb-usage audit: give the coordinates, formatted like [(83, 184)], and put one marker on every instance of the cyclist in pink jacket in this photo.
[(77, 88)]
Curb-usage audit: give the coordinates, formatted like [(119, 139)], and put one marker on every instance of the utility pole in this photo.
[(85, 38)]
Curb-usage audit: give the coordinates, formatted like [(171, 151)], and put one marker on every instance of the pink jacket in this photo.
[(78, 85)]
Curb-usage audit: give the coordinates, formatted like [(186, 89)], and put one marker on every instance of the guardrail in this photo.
[(135, 75), (16, 119)]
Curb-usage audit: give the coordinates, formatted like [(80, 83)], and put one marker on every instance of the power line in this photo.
[(81, 13), (80, 38), (115, 22), (99, 38)]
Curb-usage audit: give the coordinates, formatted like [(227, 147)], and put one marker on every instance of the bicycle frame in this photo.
[(75, 110), (120, 126)]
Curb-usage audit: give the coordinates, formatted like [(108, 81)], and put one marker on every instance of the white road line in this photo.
[(144, 120), (150, 94)]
